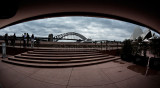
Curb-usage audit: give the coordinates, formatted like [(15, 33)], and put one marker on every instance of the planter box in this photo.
[(154, 63), (140, 60)]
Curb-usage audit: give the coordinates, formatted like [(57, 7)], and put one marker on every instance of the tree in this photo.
[(155, 47), (155, 50), (137, 46), (127, 50), (127, 47)]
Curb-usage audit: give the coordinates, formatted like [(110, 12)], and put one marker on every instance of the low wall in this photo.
[(115, 52), (14, 50), (18, 50)]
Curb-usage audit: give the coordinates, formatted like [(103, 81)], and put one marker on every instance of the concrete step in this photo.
[(61, 55), (32, 52), (78, 49), (66, 50), (59, 61), (58, 58), (46, 65)]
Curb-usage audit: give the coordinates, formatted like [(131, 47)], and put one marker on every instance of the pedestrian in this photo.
[(6, 38), (24, 40), (32, 41), (14, 39), (28, 40), (11, 39)]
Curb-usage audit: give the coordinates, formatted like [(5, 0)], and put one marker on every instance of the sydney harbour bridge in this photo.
[(67, 36)]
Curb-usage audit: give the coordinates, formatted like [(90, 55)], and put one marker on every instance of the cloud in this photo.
[(91, 27)]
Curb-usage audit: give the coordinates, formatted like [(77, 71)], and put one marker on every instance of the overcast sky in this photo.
[(91, 27)]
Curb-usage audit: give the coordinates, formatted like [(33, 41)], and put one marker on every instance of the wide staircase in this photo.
[(60, 58)]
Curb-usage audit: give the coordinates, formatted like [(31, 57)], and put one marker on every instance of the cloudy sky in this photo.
[(91, 27)]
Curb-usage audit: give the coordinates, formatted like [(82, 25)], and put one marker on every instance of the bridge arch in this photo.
[(61, 36)]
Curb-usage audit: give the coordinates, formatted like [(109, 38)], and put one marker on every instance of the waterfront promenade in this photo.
[(115, 74)]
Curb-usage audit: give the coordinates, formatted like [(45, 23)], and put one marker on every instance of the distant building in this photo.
[(88, 41), (139, 33), (147, 34), (50, 37)]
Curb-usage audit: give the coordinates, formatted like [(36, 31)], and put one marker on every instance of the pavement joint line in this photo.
[(127, 78), (29, 76), (69, 78), (120, 80), (24, 73), (46, 82), (26, 76), (19, 80), (94, 85), (111, 67), (109, 78), (5, 68), (43, 81)]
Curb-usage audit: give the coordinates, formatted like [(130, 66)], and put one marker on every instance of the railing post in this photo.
[(20, 42), (3, 50), (117, 45), (106, 46), (101, 45)]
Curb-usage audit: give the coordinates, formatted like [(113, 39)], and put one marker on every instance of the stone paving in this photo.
[(115, 74)]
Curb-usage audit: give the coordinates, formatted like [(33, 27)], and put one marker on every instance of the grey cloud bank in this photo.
[(91, 27)]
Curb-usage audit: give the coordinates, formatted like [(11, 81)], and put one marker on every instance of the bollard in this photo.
[(3, 50)]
